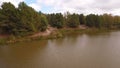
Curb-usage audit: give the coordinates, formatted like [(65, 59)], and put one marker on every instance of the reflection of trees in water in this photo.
[(98, 33), (70, 39), (73, 38)]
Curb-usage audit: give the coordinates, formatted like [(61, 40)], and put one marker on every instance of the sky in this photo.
[(73, 6)]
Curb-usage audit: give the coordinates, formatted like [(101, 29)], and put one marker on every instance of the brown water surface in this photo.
[(75, 51)]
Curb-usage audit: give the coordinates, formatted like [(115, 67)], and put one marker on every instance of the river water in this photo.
[(101, 50)]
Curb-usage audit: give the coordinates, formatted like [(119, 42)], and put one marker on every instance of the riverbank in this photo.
[(50, 33)]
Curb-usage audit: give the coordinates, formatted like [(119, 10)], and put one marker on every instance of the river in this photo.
[(101, 50)]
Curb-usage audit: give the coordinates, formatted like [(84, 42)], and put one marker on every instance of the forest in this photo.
[(23, 20)]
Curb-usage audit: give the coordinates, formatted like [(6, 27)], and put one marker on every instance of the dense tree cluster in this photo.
[(68, 20), (103, 21), (91, 20), (24, 20), (56, 20), (72, 20), (21, 20)]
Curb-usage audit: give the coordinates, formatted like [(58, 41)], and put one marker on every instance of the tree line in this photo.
[(74, 20), (24, 20), (21, 20)]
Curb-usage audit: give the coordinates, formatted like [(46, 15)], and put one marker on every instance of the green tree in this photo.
[(82, 19), (108, 20), (9, 18), (56, 20), (44, 23), (90, 20), (27, 17), (94, 21), (32, 20), (73, 20)]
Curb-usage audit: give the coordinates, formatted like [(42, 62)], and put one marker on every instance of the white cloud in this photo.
[(78, 6), (83, 6), (36, 6), (15, 2), (116, 11)]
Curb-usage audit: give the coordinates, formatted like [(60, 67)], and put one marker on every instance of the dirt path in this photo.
[(83, 27), (48, 31)]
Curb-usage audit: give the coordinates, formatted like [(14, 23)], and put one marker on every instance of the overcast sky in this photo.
[(77, 6)]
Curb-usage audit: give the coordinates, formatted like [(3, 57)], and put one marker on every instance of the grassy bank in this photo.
[(54, 35)]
